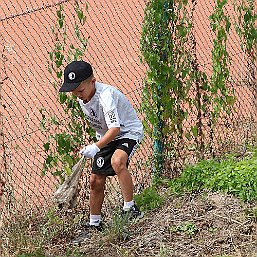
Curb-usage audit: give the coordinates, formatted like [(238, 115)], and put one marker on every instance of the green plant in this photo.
[(165, 31), (30, 232), (237, 177), (173, 74), (187, 228), (214, 95), (163, 251), (149, 199), (245, 23), (221, 95), (65, 135), (246, 26), (52, 226), (212, 229), (119, 227), (220, 24)]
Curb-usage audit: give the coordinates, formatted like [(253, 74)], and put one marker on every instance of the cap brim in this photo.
[(68, 87)]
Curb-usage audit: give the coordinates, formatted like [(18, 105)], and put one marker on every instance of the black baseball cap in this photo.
[(74, 74)]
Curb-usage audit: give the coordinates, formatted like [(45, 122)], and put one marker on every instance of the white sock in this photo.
[(127, 205), (95, 220)]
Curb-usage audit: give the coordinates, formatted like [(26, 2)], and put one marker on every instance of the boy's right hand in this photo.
[(90, 151)]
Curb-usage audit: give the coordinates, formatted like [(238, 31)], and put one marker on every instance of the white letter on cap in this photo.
[(71, 75)]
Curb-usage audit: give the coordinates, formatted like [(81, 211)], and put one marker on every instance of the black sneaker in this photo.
[(132, 213), (86, 232), (96, 228)]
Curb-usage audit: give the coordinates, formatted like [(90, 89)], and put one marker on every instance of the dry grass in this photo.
[(206, 224), (193, 225)]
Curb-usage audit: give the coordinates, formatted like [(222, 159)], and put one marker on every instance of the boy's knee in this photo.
[(118, 164), (97, 182)]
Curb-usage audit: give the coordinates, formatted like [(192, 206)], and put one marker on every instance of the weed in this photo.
[(187, 228), (29, 232), (118, 227), (21, 234), (149, 199), (212, 229), (62, 147), (229, 176), (163, 251)]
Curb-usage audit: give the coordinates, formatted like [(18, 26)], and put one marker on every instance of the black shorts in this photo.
[(102, 160)]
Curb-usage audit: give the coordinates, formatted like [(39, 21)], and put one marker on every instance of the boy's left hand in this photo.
[(90, 151)]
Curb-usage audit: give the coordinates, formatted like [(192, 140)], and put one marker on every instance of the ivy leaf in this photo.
[(59, 74), (63, 97), (46, 146), (194, 130), (61, 23)]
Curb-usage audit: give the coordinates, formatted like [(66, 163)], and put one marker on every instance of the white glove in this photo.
[(90, 150)]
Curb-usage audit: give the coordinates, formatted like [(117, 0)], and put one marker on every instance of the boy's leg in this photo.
[(119, 164), (97, 183)]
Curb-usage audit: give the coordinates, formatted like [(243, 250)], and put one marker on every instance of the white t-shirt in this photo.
[(109, 108)]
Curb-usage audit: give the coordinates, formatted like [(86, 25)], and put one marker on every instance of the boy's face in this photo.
[(85, 90)]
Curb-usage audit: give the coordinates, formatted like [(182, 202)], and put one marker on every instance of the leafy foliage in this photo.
[(166, 28), (245, 23), (173, 75), (187, 228), (246, 26), (223, 95), (149, 199), (229, 176), (65, 136)]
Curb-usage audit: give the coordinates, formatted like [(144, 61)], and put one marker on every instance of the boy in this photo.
[(118, 131)]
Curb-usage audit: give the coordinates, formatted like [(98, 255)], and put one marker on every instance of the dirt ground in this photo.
[(193, 225)]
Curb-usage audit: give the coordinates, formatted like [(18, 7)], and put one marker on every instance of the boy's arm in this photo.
[(91, 150), (108, 137)]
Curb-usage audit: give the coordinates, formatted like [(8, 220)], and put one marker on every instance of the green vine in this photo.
[(173, 74), (214, 96), (65, 135), (223, 96), (247, 31), (246, 27), (165, 31)]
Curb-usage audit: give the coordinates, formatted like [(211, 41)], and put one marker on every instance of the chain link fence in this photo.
[(114, 29)]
